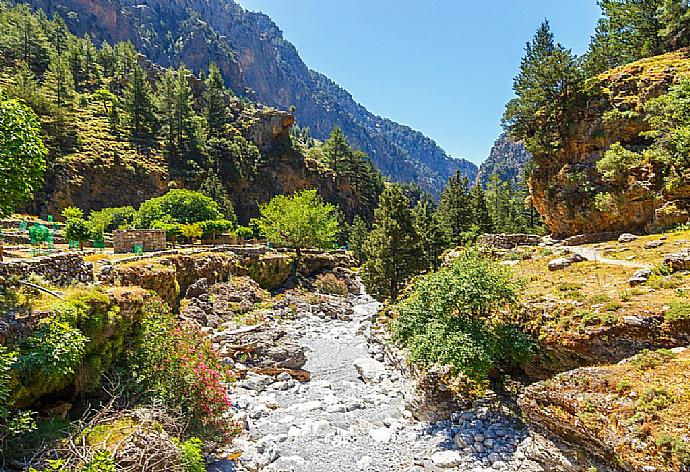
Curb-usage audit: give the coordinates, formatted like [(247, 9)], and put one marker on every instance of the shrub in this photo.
[(649, 359), (111, 219), (677, 447), (11, 423), (102, 462), (77, 229), (244, 232), (453, 317), (176, 364), (192, 455), (616, 164), (211, 229), (679, 310), (331, 284), (56, 349)]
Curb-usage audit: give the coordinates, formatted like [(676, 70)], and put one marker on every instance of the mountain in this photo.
[(507, 159), (257, 62)]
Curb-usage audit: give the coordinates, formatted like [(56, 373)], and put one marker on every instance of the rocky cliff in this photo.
[(566, 184), (258, 62), (507, 160)]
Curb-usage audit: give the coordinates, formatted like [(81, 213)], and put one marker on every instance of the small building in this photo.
[(145, 240)]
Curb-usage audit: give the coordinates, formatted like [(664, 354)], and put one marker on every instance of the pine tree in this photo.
[(185, 125), (337, 151), (59, 83), (215, 97), (392, 249), (213, 187), (139, 105), (165, 106), (431, 236), (480, 210), (455, 210), (359, 232), (549, 79)]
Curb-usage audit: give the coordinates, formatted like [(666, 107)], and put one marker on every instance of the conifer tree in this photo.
[(337, 151), (549, 79), (59, 83), (213, 187), (185, 125), (482, 218), (392, 249), (165, 106), (215, 102), (139, 105), (359, 232), (431, 236), (455, 210)]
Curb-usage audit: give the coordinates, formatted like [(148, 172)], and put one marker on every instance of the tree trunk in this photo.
[(81, 246), (298, 258), (1, 251)]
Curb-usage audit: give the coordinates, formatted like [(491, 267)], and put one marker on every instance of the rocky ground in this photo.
[(351, 414)]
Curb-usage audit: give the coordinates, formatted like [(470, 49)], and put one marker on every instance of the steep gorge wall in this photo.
[(564, 184)]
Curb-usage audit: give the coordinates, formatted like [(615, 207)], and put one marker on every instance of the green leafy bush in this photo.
[(111, 219), (244, 232), (192, 455), (454, 317), (56, 349), (649, 359), (177, 206), (11, 423), (616, 164), (102, 462)]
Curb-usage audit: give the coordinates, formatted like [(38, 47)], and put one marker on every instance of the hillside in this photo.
[(258, 62), (507, 160)]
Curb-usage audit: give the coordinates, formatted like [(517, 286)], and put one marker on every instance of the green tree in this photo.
[(549, 80), (337, 151), (77, 229), (359, 232), (177, 206), (215, 97), (431, 236), (482, 218), (60, 87), (455, 210), (22, 154), (139, 105), (393, 253), (299, 221), (212, 187)]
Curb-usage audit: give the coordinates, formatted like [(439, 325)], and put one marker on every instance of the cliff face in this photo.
[(507, 159), (258, 62), (565, 185)]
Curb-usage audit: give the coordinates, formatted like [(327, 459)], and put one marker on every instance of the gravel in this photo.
[(351, 414)]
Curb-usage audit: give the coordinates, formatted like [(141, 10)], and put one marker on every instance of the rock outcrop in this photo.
[(507, 160)]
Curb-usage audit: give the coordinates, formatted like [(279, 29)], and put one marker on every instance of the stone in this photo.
[(640, 277), (559, 264), (380, 435), (446, 459), (653, 244), (627, 238), (678, 261), (370, 370)]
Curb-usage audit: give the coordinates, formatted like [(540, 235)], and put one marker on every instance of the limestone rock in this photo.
[(559, 264), (627, 238)]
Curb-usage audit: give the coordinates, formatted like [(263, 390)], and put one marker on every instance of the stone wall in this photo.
[(509, 241), (591, 238), (151, 239), (60, 269)]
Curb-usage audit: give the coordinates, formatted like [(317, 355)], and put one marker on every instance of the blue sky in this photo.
[(444, 67)]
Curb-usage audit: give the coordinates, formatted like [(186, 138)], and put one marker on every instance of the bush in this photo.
[(102, 462), (11, 423), (111, 219), (453, 317), (177, 206), (617, 162), (244, 232), (176, 365), (192, 455), (649, 359), (56, 349), (331, 284)]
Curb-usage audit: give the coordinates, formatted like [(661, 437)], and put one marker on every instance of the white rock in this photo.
[(364, 463), (369, 370), (382, 435), (447, 459)]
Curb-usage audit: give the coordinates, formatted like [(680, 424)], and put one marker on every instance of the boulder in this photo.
[(559, 264), (627, 238), (640, 277), (678, 261), (446, 459), (653, 244), (369, 370)]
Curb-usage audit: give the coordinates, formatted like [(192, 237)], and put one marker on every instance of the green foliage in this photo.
[(679, 310), (70, 213), (56, 349), (139, 105), (649, 359), (455, 214), (431, 236), (359, 232), (454, 317), (192, 455), (549, 79), (244, 232), (299, 221), (191, 231), (677, 447), (12, 423), (77, 229), (392, 250), (102, 462), (177, 206), (111, 219), (22, 154), (617, 162), (213, 188), (211, 229)]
